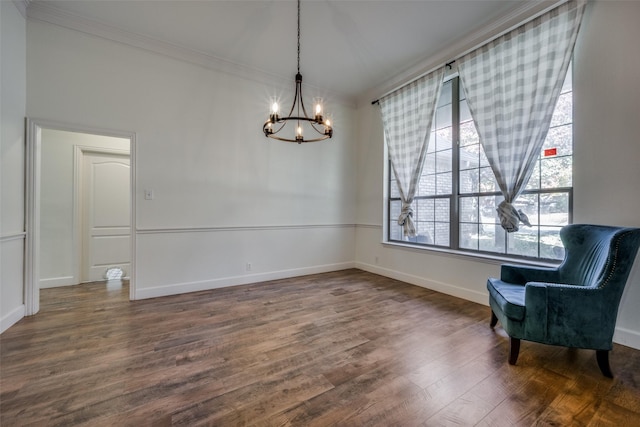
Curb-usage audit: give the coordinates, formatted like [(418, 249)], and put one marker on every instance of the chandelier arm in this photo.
[(320, 131), (304, 110), (312, 122), (266, 124), (306, 119), (297, 94), (301, 141)]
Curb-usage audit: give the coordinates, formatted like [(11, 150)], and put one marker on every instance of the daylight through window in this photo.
[(455, 205)]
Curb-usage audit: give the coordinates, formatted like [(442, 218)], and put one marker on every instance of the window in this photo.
[(455, 205)]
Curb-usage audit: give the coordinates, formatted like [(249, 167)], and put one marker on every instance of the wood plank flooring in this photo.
[(347, 348)]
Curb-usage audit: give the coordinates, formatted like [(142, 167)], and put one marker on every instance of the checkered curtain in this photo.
[(512, 86), (407, 114)]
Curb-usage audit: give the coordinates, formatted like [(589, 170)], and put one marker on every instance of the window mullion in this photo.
[(454, 223)]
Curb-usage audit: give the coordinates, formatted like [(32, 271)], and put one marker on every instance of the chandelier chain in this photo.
[(298, 36)]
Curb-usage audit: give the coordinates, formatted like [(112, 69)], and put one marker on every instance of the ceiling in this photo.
[(347, 47)]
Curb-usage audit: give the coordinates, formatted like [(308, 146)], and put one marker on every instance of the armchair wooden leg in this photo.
[(514, 349), (494, 319), (602, 356)]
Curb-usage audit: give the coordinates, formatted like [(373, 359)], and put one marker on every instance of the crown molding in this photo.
[(22, 6), (41, 11), (526, 11)]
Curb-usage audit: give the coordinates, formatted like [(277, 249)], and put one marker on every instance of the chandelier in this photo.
[(319, 124)]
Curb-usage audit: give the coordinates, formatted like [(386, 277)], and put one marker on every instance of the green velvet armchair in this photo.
[(574, 304)]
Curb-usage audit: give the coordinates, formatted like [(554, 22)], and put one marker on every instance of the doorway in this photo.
[(80, 207)]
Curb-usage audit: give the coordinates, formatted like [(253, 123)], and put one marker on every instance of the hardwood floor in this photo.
[(347, 348)]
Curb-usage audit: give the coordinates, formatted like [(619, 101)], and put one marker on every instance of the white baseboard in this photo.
[(623, 336), (204, 285), (445, 288), (11, 318), (627, 337), (55, 282)]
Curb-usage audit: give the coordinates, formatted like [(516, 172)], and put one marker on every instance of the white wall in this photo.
[(58, 253), (225, 196), (13, 98), (607, 134), (606, 171)]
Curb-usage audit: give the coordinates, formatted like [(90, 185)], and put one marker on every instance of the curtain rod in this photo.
[(479, 45), (448, 64)]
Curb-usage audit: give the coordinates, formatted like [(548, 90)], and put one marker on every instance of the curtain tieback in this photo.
[(406, 220), (510, 218)]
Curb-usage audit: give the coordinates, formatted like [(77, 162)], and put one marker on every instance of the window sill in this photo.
[(468, 256)]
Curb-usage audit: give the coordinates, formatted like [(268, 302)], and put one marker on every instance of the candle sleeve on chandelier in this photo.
[(327, 127), (299, 137), (273, 117), (318, 104)]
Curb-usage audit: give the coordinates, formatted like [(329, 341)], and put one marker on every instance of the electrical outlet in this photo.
[(148, 194), (248, 266), (377, 260)]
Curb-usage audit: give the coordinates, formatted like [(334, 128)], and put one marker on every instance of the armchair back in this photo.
[(598, 256)]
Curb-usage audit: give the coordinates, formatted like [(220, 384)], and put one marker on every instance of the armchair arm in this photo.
[(520, 274), (555, 312)]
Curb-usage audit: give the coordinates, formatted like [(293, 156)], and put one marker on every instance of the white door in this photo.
[(106, 230)]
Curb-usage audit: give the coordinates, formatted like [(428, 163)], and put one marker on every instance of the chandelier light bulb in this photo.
[(318, 103), (274, 108)]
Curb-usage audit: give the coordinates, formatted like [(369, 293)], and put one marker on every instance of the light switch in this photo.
[(148, 194)]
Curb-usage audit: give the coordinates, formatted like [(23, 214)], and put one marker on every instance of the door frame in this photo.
[(33, 173)]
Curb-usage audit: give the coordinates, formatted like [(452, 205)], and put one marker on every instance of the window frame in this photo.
[(455, 197)]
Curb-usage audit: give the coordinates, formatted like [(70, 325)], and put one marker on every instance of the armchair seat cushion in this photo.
[(508, 296)]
